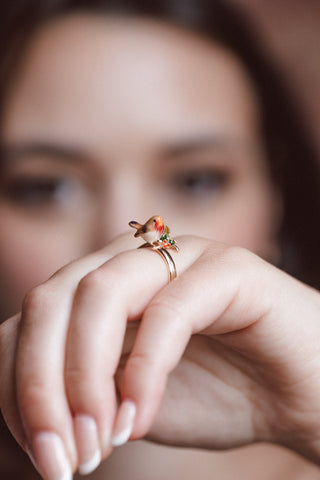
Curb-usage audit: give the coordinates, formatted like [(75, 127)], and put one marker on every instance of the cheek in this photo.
[(245, 215), (248, 219), (29, 254)]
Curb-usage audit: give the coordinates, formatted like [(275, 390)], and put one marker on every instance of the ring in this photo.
[(157, 236), (171, 266)]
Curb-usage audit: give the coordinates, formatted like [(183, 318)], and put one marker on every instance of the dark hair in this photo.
[(291, 156)]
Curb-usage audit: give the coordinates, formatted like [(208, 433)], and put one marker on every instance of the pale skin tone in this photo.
[(89, 151)]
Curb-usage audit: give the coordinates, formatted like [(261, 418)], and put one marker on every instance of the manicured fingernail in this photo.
[(50, 456), (87, 440), (124, 423)]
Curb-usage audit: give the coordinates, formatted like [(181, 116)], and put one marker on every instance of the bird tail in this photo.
[(134, 224)]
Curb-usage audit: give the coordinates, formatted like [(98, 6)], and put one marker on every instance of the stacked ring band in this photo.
[(171, 266)]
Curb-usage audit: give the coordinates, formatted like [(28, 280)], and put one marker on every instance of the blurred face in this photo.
[(111, 120)]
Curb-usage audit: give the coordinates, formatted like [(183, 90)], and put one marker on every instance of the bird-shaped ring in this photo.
[(155, 233), (157, 238)]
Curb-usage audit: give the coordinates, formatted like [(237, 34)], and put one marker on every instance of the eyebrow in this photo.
[(63, 152), (12, 152), (200, 143)]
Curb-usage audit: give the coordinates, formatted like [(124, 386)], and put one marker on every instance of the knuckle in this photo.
[(173, 310), (139, 358), (62, 271), (40, 406), (84, 392), (234, 252), (139, 362), (92, 281), (236, 256), (231, 263), (75, 376), (34, 297), (35, 392), (97, 280), (142, 365), (103, 280), (168, 307), (8, 334)]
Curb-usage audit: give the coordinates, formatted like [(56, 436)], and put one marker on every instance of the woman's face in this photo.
[(111, 120)]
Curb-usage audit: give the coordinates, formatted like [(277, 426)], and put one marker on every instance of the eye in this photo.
[(37, 192), (200, 181)]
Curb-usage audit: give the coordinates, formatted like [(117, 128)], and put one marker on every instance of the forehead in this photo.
[(88, 69)]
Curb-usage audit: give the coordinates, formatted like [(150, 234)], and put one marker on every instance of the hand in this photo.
[(232, 344)]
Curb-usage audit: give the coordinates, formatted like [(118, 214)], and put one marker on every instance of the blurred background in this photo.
[(291, 29)]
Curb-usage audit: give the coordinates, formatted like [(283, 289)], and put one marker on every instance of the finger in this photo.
[(104, 301), (41, 394), (184, 307), (8, 404), (142, 359), (75, 270), (40, 385)]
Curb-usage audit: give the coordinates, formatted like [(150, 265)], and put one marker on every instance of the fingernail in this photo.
[(124, 423), (50, 457), (87, 440)]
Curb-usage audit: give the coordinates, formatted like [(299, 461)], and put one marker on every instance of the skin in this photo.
[(115, 146), (180, 138)]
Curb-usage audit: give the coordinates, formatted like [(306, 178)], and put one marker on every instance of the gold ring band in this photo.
[(171, 266)]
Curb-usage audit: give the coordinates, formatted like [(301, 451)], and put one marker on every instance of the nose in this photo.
[(124, 202)]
